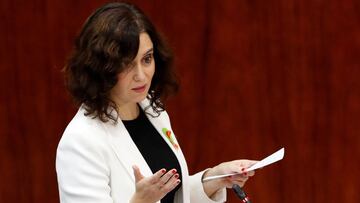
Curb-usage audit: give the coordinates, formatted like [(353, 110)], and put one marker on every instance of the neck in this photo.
[(128, 111)]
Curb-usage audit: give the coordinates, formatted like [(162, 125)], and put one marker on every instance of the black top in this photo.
[(156, 152)]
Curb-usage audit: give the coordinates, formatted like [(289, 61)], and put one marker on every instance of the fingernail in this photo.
[(178, 181), (176, 175), (163, 170), (174, 171)]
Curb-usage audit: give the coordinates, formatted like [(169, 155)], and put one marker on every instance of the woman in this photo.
[(119, 147)]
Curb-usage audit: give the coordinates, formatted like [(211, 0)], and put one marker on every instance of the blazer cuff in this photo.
[(197, 193)]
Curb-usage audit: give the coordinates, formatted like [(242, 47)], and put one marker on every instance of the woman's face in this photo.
[(133, 84)]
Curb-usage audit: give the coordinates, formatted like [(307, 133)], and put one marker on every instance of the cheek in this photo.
[(121, 85), (151, 71)]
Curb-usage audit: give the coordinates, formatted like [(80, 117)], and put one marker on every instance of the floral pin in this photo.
[(170, 137)]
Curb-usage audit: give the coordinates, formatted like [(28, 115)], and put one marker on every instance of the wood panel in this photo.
[(255, 76)]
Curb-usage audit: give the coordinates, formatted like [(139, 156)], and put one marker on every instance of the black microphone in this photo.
[(240, 193)]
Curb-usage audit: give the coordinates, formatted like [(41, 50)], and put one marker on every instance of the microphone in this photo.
[(240, 193)]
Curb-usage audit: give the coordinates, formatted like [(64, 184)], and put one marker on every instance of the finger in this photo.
[(250, 173), (246, 163), (166, 177), (137, 173), (240, 183), (240, 178), (246, 173), (156, 177), (237, 166), (233, 167), (251, 162), (243, 179), (171, 183)]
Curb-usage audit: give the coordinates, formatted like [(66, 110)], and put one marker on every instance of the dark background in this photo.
[(256, 76)]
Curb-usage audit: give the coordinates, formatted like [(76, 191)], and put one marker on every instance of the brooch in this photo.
[(170, 137)]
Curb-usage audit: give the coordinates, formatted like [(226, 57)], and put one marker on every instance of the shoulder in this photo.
[(83, 131)]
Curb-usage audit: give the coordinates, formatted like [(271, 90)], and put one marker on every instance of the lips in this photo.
[(139, 89)]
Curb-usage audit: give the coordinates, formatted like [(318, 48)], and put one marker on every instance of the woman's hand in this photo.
[(237, 166), (154, 188)]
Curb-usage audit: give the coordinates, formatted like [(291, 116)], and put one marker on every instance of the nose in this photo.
[(139, 74)]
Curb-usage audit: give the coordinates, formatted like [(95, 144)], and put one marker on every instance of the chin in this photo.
[(140, 98)]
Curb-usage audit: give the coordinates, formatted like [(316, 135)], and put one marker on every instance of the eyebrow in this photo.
[(148, 51)]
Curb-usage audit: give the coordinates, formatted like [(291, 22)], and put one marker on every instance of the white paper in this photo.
[(277, 156)]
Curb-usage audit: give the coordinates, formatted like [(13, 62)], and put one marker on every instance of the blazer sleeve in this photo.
[(197, 193), (82, 172)]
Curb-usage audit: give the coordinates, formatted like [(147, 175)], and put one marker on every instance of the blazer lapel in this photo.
[(125, 149), (163, 127)]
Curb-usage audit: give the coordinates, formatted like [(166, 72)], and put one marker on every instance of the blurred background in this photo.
[(255, 76)]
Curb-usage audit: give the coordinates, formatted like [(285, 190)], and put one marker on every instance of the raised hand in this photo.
[(154, 188)]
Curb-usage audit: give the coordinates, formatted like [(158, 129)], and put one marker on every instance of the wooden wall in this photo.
[(256, 76)]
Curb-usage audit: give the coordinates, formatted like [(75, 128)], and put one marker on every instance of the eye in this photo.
[(148, 59)]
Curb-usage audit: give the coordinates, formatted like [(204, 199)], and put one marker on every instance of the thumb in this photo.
[(137, 173)]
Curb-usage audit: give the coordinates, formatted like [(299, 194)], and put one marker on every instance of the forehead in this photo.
[(145, 42)]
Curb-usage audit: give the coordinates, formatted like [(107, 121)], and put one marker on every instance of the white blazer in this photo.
[(94, 163)]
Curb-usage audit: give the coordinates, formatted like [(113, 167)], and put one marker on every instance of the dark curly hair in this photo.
[(106, 45)]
